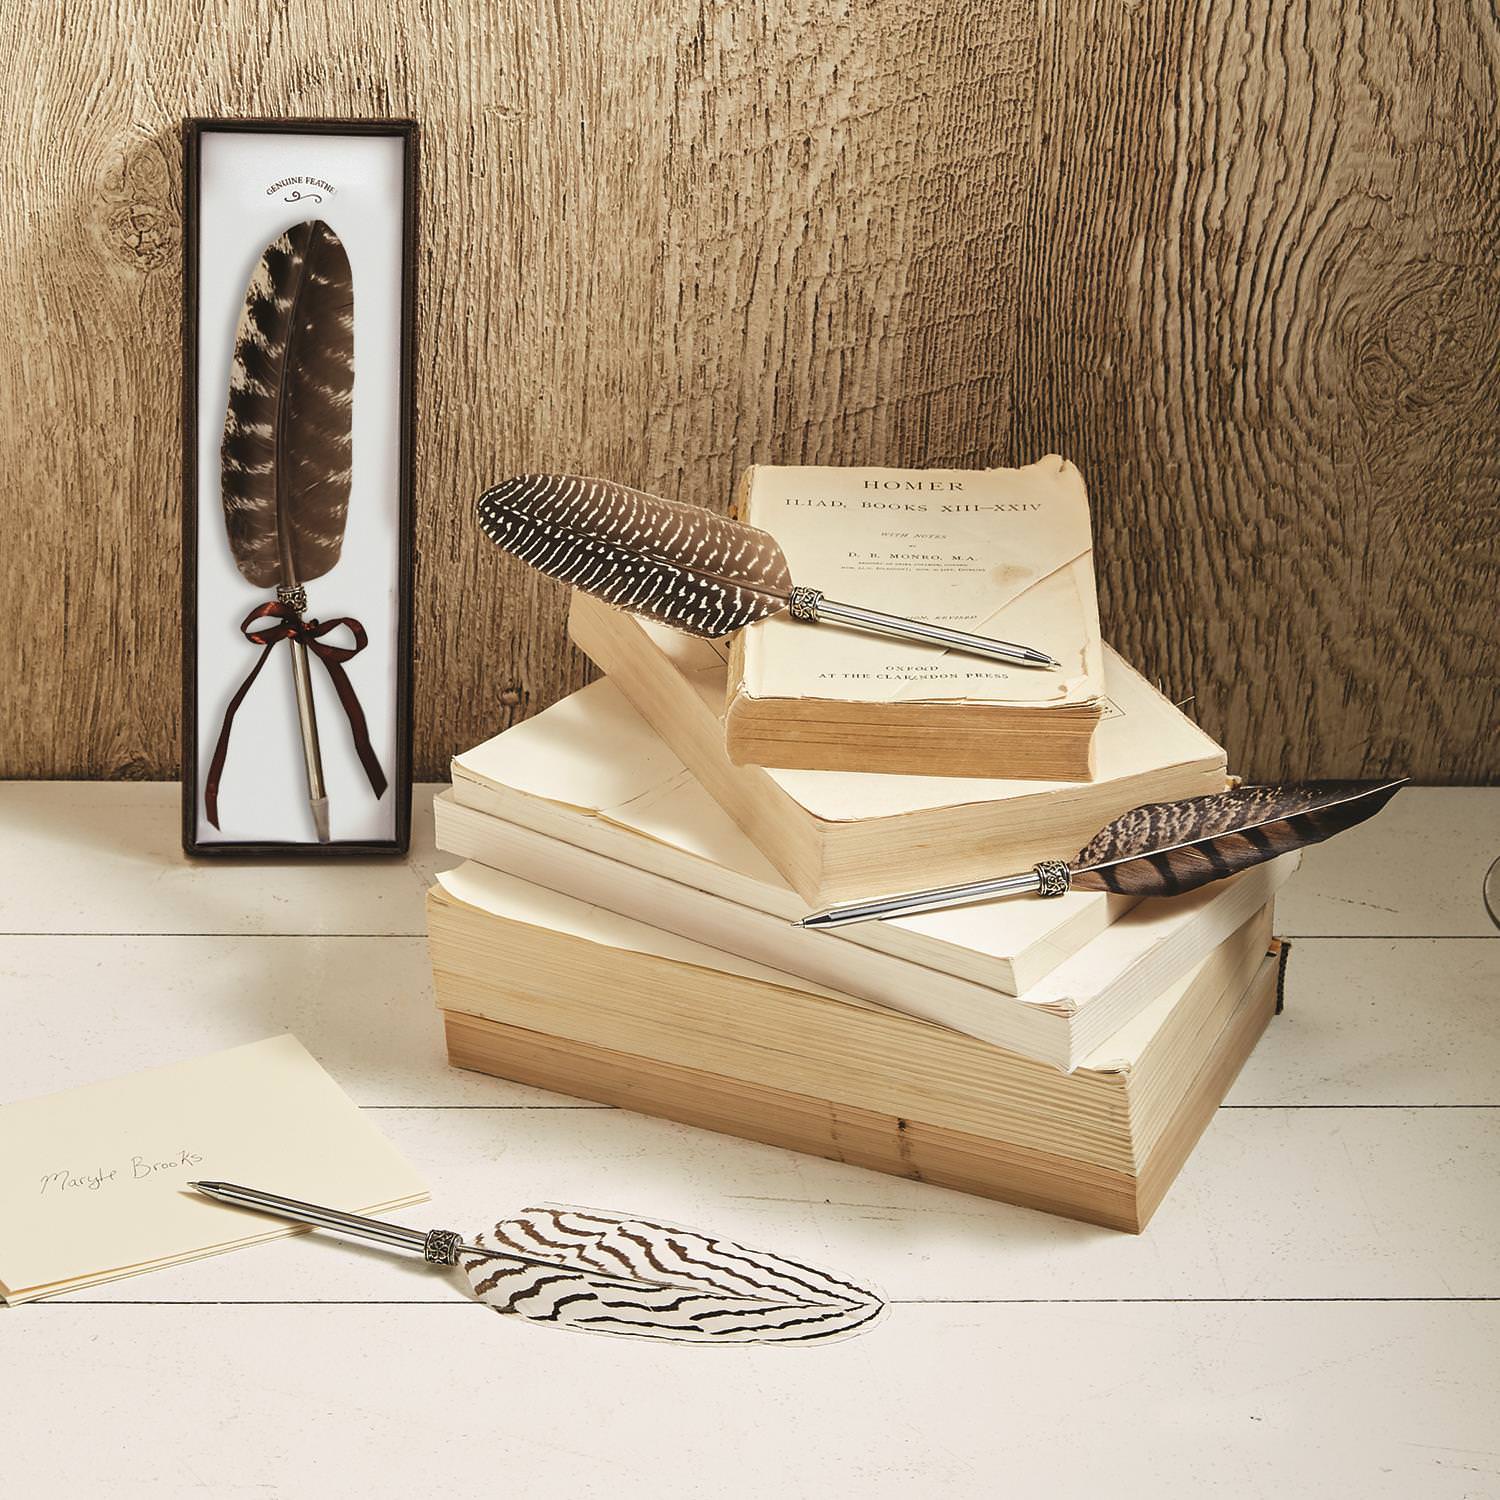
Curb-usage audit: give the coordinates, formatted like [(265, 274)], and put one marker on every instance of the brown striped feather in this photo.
[(640, 1279), (1166, 848), (285, 455), (676, 563)]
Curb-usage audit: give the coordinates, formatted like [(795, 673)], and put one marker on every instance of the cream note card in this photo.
[(92, 1181)]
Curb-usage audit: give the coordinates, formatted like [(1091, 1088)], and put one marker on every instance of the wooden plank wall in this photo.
[(1238, 261)]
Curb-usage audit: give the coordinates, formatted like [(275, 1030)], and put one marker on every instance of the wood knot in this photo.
[(142, 235), (1425, 343), (134, 223)]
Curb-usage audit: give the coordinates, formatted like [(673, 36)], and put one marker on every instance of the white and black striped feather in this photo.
[(636, 1278)]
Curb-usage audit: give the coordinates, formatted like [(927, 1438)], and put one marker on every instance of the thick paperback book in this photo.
[(1001, 553)]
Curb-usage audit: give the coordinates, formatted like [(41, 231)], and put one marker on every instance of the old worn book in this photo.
[(550, 991), (838, 835), (1075, 1004), (1003, 553), (586, 796), (585, 793)]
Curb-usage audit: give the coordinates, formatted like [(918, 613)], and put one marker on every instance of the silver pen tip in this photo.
[(319, 807)]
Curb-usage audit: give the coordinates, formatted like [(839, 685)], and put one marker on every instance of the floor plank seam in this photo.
[(1360, 1106), (499, 1108), (1388, 937), (891, 1301), (581, 1105), (406, 937)]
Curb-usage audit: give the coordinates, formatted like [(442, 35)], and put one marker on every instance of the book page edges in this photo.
[(1021, 935), (1077, 983), (1133, 1044), (1174, 740), (838, 797), (1113, 1060), (512, 899)]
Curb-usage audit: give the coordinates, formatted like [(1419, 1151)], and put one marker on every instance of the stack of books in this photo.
[(624, 925)]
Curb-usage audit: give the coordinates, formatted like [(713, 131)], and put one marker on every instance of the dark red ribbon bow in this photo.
[(293, 627)]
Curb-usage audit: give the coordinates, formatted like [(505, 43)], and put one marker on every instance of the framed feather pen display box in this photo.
[(299, 264)]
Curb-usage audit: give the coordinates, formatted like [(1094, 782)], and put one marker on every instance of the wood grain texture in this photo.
[(986, 1166), (1237, 262), (1289, 415)]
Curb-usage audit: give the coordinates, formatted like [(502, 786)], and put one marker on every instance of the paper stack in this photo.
[(624, 929)]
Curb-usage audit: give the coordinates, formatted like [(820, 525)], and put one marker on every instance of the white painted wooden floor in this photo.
[(1315, 1309)]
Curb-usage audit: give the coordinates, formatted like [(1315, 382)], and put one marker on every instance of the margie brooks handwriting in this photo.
[(138, 1169)]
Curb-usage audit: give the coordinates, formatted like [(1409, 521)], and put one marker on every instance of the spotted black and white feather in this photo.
[(604, 1273), (285, 455), (676, 563), (1167, 848)]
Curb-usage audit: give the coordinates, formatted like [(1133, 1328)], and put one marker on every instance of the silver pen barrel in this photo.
[(831, 612), (291, 594), (314, 1213), (918, 901), (312, 755), (440, 1247)]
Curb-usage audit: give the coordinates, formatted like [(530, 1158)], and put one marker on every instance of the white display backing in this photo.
[(263, 792)]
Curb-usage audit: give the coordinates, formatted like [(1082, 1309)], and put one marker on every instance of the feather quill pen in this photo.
[(682, 565), (600, 1272), (285, 468), (1163, 848), (603, 1273)]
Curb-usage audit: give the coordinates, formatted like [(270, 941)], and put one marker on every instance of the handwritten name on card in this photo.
[(139, 1167)]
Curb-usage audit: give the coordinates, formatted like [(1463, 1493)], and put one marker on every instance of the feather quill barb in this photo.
[(285, 456), (589, 1269), (1167, 848), (604, 1273), (675, 563)]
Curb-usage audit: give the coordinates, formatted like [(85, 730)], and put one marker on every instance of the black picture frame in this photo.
[(400, 779)]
